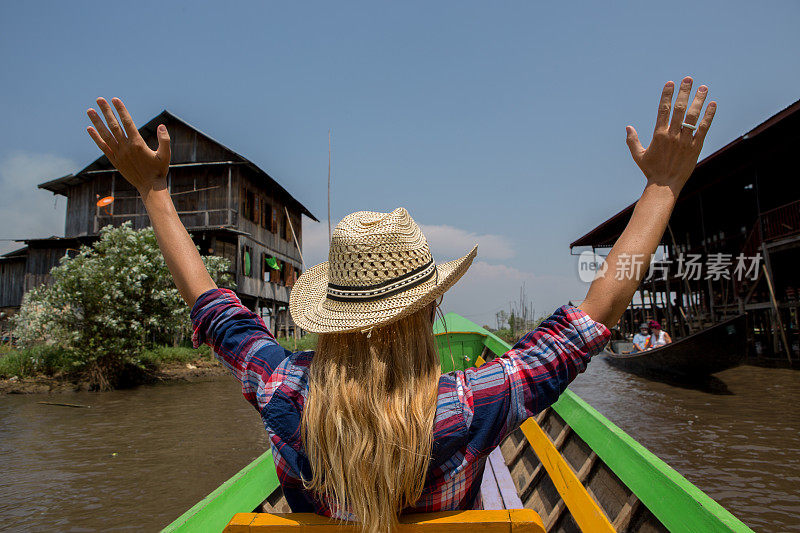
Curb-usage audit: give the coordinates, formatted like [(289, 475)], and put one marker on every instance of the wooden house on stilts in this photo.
[(230, 207), (740, 210)]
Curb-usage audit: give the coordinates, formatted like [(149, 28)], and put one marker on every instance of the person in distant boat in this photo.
[(658, 337), (367, 427), (641, 341)]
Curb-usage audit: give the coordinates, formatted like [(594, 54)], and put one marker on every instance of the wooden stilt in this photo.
[(778, 320)]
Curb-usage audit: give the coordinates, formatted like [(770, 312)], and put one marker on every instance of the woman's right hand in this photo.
[(144, 168), (672, 155)]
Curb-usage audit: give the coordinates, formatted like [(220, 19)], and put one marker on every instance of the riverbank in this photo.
[(200, 369), (50, 370)]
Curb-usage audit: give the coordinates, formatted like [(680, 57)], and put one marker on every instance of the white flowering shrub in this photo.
[(109, 302)]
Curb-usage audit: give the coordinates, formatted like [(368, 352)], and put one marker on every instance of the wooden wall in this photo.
[(12, 276), (264, 282), (200, 195), (275, 233), (40, 261), (80, 209)]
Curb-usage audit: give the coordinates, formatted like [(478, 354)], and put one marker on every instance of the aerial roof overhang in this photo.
[(62, 184)]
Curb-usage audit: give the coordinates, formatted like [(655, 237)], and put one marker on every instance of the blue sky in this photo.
[(497, 123)]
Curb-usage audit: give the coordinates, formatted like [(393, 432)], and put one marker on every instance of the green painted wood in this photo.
[(463, 342), (678, 504), (240, 494)]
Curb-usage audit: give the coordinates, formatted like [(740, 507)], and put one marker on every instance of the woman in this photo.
[(366, 427), (658, 337)]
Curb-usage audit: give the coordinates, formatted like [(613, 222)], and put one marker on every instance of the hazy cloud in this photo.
[(315, 242), (487, 288), (448, 242), (25, 210)]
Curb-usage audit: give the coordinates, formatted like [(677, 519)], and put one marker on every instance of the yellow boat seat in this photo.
[(495, 521)]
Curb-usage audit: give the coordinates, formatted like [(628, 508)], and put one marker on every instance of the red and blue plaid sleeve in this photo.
[(240, 340), (502, 394)]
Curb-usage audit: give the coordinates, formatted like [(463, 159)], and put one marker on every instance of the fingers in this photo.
[(636, 148), (106, 136), (679, 109), (125, 117), (664, 106), (702, 129), (163, 152), (100, 143), (693, 114), (113, 125)]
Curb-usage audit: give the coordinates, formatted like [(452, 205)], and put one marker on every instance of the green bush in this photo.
[(109, 303)]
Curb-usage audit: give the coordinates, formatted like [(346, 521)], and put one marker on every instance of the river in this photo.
[(138, 458)]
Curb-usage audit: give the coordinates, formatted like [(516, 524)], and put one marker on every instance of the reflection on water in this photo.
[(139, 458), (735, 437)]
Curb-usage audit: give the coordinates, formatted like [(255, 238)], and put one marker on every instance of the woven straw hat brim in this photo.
[(313, 311)]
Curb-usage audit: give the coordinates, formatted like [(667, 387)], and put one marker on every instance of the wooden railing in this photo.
[(781, 222), (191, 219), (777, 223)]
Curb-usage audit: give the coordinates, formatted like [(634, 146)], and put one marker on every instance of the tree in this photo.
[(502, 319), (109, 302)]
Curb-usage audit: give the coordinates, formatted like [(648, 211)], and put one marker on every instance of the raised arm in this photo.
[(667, 164), (147, 170)]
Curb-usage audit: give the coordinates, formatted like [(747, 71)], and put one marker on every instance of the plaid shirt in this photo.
[(476, 409)]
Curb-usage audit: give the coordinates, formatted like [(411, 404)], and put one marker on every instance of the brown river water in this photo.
[(137, 459)]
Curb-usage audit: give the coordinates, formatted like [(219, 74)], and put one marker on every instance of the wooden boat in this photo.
[(572, 466), (707, 352)]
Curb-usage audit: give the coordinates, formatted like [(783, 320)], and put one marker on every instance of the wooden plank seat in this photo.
[(488, 521), (497, 487)]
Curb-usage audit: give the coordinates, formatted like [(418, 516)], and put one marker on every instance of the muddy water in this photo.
[(137, 459)]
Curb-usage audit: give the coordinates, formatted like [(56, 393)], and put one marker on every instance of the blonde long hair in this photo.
[(367, 424)]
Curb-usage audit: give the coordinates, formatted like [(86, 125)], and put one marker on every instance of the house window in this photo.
[(248, 204), (287, 228), (275, 275), (294, 273), (266, 214), (274, 227)]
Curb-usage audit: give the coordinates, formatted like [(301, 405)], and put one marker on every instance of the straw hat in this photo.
[(379, 270)]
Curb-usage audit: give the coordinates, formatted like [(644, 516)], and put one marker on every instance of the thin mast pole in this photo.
[(329, 186)]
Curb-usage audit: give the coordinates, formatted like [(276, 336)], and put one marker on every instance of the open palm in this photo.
[(144, 168), (676, 145)]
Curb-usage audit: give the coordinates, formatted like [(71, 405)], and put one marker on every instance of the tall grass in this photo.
[(43, 359), (52, 360), (163, 355), (307, 343)]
